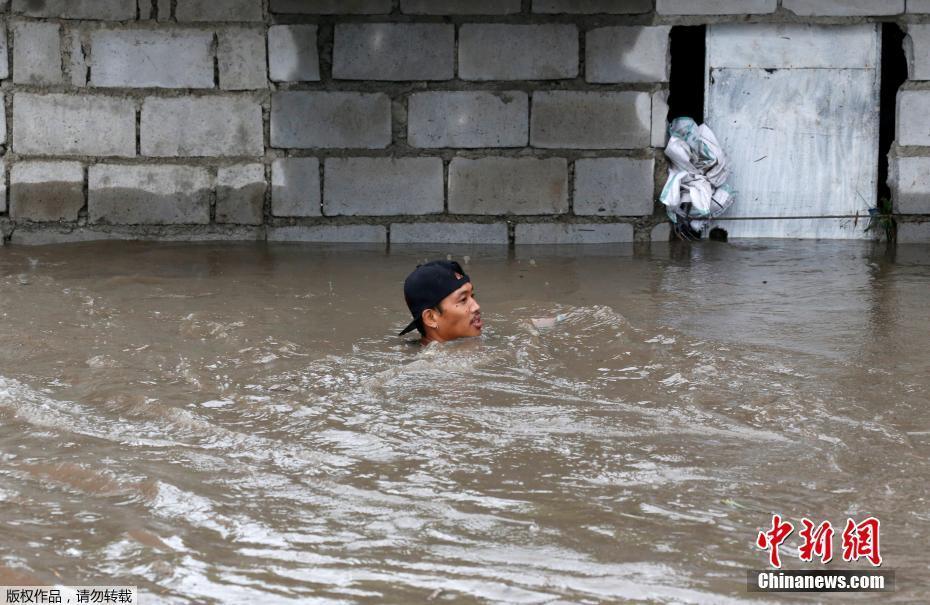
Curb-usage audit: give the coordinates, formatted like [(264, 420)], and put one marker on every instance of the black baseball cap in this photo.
[(428, 284)]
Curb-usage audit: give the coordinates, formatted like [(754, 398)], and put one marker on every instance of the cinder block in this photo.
[(46, 191), (911, 185), (204, 126), (468, 119), (355, 234), (498, 185), (715, 7), (292, 53), (564, 233), (240, 194), (152, 58), (218, 10), (332, 7), (394, 51), (106, 10), (591, 7), (36, 53), (307, 120), (614, 187), (659, 118), (4, 60), (78, 62), (917, 49), (844, 8), (460, 7), (913, 233), (449, 233), (295, 187), (591, 120), (164, 10), (148, 195), (241, 57), (913, 117), (627, 54), (518, 52), (382, 186), (3, 186), (59, 124), (918, 6), (2, 122), (661, 232)]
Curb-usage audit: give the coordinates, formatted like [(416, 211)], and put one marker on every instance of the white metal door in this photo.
[(796, 109)]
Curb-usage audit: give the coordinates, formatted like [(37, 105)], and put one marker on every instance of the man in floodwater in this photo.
[(441, 299)]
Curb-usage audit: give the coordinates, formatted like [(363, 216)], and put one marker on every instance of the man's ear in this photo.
[(429, 318)]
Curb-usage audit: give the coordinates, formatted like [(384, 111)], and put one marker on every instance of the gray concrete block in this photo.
[(715, 7), (152, 58), (661, 232), (627, 54), (241, 57), (201, 126), (78, 61), (307, 120), (3, 186), (910, 184), (240, 194), (295, 187), (4, 58), (332, 7), (917, 49), (844, 8), (107, 10), (355, 234), (460, 7), (468, 119), (564, 233), (918, 6), (498, 185), (394, 51), (449, 233), (614, 187), (39, 235), (46, 191), (591, 7), (518, 52), (60, 124), (164, 10), (36, 53), (382, 186), (591, 120), (2, 121), (292, 53), (913, 233), (219, 10), (913, 125), (659, 118), (148, 195)]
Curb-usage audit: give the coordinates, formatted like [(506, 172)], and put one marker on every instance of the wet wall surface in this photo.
[(240, 423)]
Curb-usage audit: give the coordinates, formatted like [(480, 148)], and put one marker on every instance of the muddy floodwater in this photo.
[(239, 423)]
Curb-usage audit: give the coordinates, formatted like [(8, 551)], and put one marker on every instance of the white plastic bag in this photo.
[(696, 189)]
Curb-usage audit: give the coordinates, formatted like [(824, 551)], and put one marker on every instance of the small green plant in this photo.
[(881, 219)]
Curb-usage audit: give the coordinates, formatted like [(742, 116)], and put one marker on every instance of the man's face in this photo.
[(460, 316)]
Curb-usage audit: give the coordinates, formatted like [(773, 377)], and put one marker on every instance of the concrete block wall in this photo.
[(465, 121)]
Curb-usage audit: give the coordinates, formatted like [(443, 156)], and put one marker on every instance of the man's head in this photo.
[(441, 299)]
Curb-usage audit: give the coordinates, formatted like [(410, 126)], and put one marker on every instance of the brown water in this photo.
[(240, 424)]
